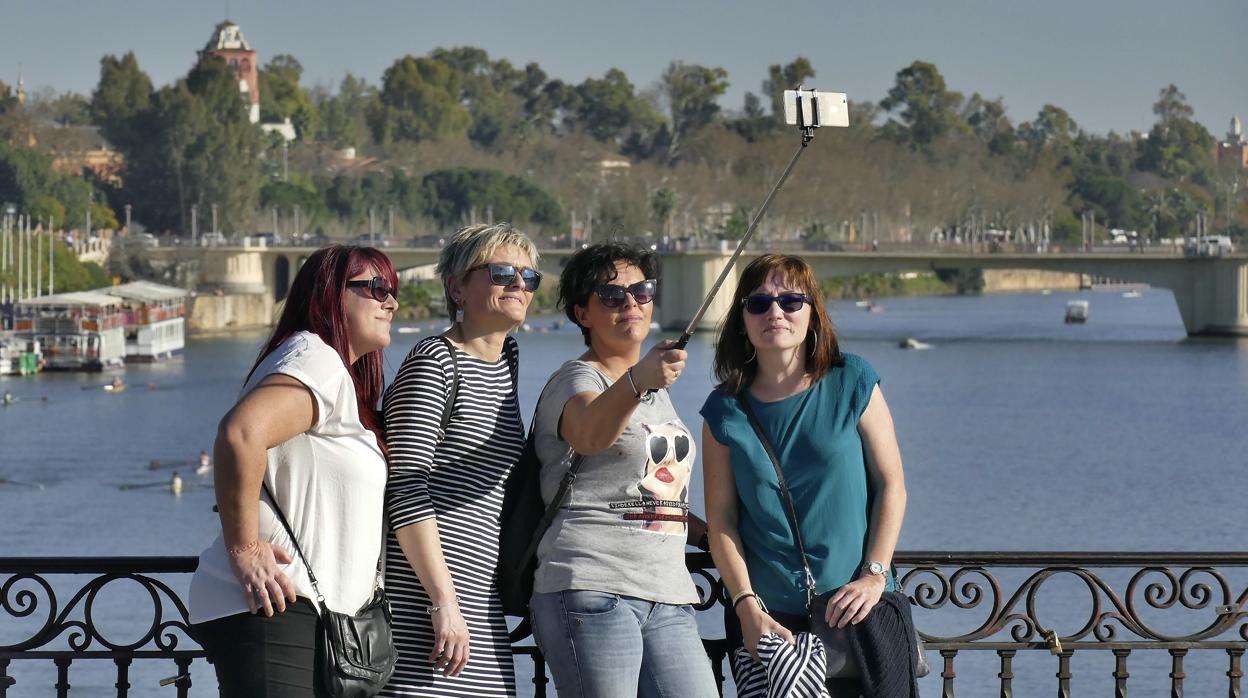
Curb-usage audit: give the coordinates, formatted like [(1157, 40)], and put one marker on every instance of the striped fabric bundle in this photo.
[(784, 671)]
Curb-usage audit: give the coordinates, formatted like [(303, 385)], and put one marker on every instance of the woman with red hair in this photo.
[(305, 430)]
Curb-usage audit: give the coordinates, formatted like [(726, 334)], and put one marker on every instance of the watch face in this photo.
[(875, 568)]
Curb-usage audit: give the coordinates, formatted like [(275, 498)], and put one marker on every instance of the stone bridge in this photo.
[(1211, 292)]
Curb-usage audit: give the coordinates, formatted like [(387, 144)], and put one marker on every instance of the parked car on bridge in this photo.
[(1209, 246)]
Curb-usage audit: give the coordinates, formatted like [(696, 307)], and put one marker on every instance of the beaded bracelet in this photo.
[(240, 549)]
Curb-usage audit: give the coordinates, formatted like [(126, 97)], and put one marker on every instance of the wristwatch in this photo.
[(874, 568)]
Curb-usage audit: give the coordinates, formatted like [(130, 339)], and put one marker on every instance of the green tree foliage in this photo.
[(1178, 147), (122, 96), (69, 273), (736, 225), (495, 94), (691, 93), (785, 77), (28, 181), (924, 108), (420, 100), (1114, 200), (989, 124), (343, 116), (66, 109), (608, 108), (755, 124), (662, 204), (7, 99), (48, 211), (453, 194), (287, 196), (197, 148), (281, 97)]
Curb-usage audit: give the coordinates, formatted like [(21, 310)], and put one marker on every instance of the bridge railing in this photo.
[(999, 606)]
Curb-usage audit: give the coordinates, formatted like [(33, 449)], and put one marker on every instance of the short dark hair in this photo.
[(734, 370), (594, 265)]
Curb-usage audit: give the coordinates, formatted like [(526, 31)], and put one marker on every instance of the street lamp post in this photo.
[(127, 218)]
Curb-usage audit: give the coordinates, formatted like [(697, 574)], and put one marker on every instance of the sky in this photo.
[(1104, 61)]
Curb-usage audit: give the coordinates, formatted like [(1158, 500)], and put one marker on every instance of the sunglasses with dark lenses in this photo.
[(376, 287), (613, 295), (505, 275), (761, 303)]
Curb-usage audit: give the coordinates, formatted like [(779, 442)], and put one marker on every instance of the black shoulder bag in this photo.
[(837, 643), (524, 520), (357, 652)]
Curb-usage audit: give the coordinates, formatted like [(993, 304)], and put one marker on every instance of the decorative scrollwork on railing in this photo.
[(1204, 592), (1125, 594), (32, 595)]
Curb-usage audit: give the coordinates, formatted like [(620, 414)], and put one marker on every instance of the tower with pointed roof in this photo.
[(229, 45)]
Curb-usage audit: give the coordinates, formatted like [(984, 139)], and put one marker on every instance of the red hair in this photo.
[(314, 304)]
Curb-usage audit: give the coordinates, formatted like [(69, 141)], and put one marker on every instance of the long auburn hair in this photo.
[(732, 348), (314, 304)]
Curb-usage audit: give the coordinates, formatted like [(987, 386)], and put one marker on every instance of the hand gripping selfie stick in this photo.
[(825, 109)]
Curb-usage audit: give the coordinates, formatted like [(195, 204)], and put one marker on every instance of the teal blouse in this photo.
[(815, 435)]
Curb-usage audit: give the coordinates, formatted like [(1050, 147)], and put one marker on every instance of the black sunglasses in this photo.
[(761, 303), (505, 275), (377, 288), (613, 295)]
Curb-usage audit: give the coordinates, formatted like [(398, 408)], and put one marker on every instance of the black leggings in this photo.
[(260, 657)]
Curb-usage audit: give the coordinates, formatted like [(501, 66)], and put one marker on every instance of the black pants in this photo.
[(837, 688), (260, 657)]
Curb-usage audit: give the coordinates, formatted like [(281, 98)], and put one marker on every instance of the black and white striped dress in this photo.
[(457, 479)]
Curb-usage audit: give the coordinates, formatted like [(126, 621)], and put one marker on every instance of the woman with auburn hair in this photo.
[(454, 429), (304, 437), (824, 415)]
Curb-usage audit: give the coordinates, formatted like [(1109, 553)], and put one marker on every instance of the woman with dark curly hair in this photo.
[(611, 605)]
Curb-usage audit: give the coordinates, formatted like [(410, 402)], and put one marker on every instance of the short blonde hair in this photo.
[(472, 245)]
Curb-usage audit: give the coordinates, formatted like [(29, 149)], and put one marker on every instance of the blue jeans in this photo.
[(601, 645)]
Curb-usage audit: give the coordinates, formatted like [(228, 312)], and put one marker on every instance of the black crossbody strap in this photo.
[(295, 541), (565, 485), (552, 509), (744, 401), (454, 391)]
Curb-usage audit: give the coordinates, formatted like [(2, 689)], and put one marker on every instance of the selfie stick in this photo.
[(808, 133)]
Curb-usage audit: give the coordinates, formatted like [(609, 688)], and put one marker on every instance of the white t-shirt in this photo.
[(330, 482)]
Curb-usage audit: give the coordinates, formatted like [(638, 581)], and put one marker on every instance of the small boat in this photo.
[(408, 330), (1131, 294), (115, 388), (1076, 312), (1046, 292), (862, 304), (912, 343)]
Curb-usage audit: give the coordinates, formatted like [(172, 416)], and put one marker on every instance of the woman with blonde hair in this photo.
[(454, 430)]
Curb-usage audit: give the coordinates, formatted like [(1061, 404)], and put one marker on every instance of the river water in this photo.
[(1018, 433)]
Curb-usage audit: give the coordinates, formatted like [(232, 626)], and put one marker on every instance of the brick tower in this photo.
[(228, 43)]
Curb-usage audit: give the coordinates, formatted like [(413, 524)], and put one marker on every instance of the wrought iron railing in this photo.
[(1010, 604)]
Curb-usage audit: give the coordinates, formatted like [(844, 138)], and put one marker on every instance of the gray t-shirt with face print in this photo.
[(623, 526)]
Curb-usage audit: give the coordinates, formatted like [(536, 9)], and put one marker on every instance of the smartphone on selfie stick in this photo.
[(807, 110)]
